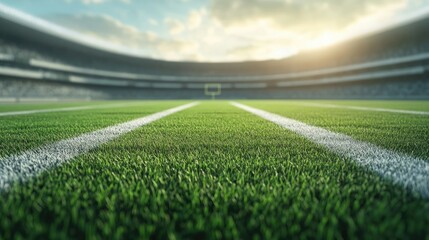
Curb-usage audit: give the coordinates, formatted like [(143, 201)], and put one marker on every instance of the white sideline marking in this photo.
[(25, 112), (33, 162), (408, 171), (366, 108)]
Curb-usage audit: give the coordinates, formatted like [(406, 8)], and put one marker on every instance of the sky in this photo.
[(221, 30)]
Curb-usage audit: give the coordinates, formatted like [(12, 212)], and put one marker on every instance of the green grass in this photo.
[(22, 132), (6, 107), (405, 133), (402, 105), (215, 171)]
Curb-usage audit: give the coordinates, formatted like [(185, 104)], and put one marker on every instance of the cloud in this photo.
[(193, 21), (264, 48), (175, 26), (90, 2), (270, 28), (109, 29), (195, 18), (87, 2), (237, 30), (296, 15)]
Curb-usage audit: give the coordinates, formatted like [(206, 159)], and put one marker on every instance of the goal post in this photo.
[(213, 89)]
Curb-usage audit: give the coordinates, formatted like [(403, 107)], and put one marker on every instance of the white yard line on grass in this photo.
[(408, 171), (30, 163), (25, 112), (366, 108)]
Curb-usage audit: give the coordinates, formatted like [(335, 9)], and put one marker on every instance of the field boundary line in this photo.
[(374, 109), (66, 109), (30, 163), (407, 171)]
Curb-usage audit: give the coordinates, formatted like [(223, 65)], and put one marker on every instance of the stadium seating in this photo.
[(392, 63)]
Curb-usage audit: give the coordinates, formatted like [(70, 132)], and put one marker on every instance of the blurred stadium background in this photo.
[(40, 63)]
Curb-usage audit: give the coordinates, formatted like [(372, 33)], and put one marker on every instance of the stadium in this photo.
[(390, 64), (102, 143)]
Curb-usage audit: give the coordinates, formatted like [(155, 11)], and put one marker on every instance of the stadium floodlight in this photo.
[(213, 89)]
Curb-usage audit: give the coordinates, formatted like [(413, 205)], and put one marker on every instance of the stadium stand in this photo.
[(38, 62)]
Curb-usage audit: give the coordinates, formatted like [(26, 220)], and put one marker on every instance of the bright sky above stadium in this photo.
[(221, 30)]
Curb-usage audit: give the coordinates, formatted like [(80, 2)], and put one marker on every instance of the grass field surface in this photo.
[(22, 132), (406, 133), (9, 107), (215, 171)]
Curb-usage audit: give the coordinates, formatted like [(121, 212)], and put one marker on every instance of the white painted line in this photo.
[(402, 169), (366, 108), (30, 163), (26, 112)]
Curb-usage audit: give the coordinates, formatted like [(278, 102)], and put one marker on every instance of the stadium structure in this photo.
[(39, 62), (318, 168)]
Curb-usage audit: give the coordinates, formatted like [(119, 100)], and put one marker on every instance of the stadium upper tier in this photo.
[(31, 50)]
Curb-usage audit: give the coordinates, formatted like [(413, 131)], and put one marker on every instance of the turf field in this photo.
[(215, 171)]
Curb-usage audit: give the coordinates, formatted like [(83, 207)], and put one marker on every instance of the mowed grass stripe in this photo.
[(14, 107), (324, 105), (211, 172), (405, 133), (402, 169), (21, 133), (413, 105), (79, 108), (18, 107), (31, 163)]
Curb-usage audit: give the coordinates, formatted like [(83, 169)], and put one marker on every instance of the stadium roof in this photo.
[(16, 23)]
